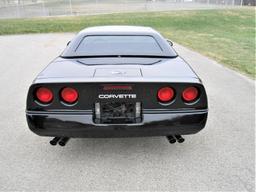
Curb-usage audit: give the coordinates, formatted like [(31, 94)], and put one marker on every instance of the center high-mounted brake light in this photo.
[(165, 94), (44, 95), (69, 95), (116, 87)]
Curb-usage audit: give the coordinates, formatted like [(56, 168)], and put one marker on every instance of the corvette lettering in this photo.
[(117, 96)]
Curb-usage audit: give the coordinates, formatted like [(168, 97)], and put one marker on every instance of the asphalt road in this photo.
[(221, 157)]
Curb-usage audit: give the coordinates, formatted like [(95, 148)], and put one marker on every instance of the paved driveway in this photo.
[(221, 157)]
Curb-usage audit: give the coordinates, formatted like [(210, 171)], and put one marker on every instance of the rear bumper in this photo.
[(80, 124)]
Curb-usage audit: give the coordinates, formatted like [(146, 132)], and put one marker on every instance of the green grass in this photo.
[(227, 36)]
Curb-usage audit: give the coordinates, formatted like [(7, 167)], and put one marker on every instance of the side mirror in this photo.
[(170, 42), (68, 43)]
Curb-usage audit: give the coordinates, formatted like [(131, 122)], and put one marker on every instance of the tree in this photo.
[(249, 2)]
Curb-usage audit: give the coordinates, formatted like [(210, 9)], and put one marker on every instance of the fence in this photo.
[(38, 8)]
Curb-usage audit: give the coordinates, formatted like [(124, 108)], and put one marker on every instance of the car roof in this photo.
[(120, 29), (70, 51)]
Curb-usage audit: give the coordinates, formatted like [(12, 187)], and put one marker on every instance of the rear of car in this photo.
[(117, 82), (116, 109)]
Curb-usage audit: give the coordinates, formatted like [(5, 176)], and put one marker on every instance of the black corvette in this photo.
[(117, 81)]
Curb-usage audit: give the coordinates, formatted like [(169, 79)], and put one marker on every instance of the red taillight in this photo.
[(69, 95), (190, 94), (44, 95), (165, 94)]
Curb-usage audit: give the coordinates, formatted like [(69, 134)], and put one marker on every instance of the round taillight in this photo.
[(190, 94), (165, 94), (44, 95), (69, 95)]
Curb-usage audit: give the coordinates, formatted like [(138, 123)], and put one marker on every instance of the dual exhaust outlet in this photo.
[(62, 141), (173, 138)]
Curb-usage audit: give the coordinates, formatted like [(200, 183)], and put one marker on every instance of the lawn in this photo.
[(228, 36)]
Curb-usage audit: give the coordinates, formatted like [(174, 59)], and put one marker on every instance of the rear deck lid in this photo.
[(117, 72)]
